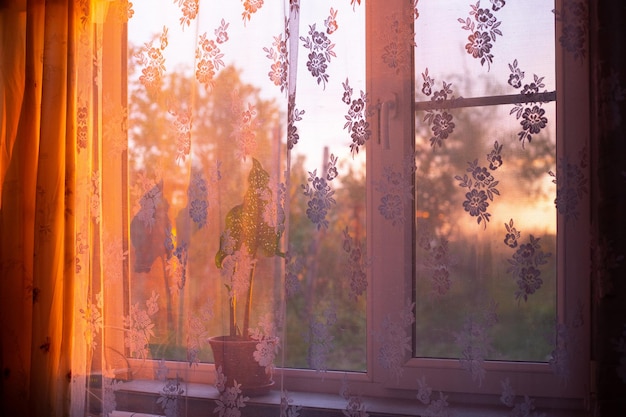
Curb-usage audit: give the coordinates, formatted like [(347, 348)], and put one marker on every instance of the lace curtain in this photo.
[(175, 171)]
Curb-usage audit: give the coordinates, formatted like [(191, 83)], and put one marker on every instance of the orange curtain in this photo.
[(37, 234)]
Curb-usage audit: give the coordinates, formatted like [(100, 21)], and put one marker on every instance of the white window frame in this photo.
[(391, 276)]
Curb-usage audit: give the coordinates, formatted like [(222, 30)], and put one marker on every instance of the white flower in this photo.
[(423, 391), (265, 353)]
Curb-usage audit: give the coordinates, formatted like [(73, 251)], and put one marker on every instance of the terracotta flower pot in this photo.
[(236, 358)]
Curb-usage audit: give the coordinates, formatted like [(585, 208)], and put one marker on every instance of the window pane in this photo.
[(178, 198), (200, 111), (445, 48), (485, 268), (486, 239)]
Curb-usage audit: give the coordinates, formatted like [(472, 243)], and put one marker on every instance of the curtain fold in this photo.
[(37, 221), (13, 41)]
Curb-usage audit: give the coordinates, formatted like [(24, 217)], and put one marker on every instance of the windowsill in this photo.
[(140, 396)]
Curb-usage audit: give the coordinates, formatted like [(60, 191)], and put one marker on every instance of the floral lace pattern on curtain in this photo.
[(475, 283), (245, 202), (208, 179)]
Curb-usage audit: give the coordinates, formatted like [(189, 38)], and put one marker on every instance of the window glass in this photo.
[(480, 66), (485, 223), (183, 142)]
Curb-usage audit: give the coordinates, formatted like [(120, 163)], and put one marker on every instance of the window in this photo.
[(491, 301), (459, 184)]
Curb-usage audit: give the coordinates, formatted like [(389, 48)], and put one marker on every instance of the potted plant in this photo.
[(247, 235)]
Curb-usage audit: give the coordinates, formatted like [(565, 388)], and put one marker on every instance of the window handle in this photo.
[(386, 111)]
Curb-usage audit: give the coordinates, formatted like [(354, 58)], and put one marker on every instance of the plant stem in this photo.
[(246, 313), (233, 308), (168, 296)]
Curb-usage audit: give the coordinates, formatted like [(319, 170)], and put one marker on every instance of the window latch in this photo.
[(387, 110)]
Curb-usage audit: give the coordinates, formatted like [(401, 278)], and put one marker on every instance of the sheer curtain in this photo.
[(198, 243), (176, 171)]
